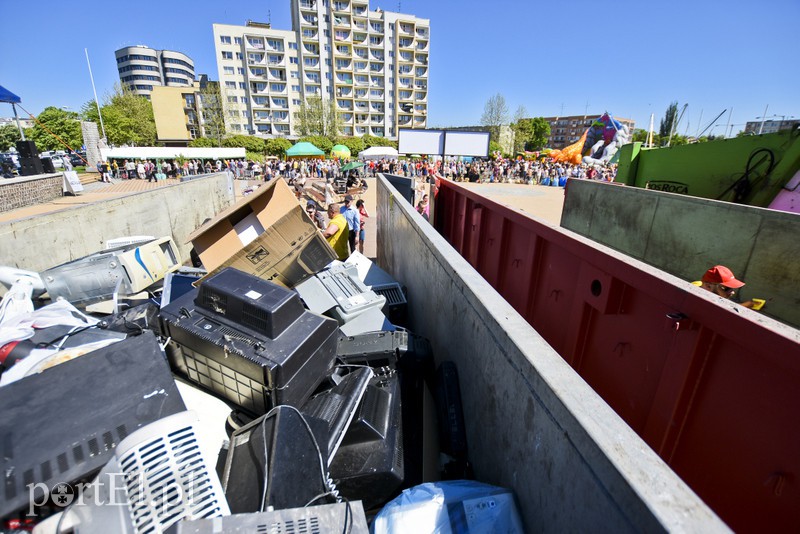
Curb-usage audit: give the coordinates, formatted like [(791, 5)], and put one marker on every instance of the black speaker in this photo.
[(30, 166), (27, 149), (47, 165)]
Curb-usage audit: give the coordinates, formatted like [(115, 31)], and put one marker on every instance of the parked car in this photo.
[(77, 159)]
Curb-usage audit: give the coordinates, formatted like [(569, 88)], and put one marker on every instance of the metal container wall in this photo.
[(712, 387)]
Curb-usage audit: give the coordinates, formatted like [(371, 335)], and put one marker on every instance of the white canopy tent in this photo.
[(378, 152), (166, 152)]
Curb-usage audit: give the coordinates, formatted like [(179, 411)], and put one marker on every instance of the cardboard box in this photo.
[(267, 234)]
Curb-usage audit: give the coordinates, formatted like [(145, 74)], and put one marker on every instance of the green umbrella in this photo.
[(352, 165)]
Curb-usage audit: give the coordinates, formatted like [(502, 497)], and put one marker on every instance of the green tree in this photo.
[(212, 111), (538, 131), (516, 125), (53, 123), (202, 142), (318, 117), (321, 142), (127, 118), (670, 117), (370, 141), (9, 135), (250, 143), (277, 147), (495, 115)]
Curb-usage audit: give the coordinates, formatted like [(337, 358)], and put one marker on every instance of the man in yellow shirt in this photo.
[(337, 232)]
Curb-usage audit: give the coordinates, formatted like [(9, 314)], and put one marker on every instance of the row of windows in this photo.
[(169, 60), (141, 77), (137, 67), (136, 57), (177, 80), (179, 71)]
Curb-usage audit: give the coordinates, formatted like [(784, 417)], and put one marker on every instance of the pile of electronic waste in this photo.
[(333, 402)]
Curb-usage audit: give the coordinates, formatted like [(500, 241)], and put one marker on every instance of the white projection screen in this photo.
[(422, 142), (474, 144)]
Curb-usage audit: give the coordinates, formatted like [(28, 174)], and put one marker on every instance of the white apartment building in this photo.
[(373, 64), (141, 68)]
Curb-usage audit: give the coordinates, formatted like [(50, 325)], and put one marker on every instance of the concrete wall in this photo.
[(685, 235), (29, 190), (533, 424), (43, 241)]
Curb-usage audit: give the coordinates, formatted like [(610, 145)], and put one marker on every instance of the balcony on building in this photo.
[(308, 4), (361, 105), (361, 130), (362, 118), (377, 131), (341, 21), (275, 59), (342, 50), (376, 54), (404, 95), (361, 53), (405, 42), (260, 102), (420, 96), (281, 117), (280, 103), (360, 66), (406, 28), (344, 91), (277, 88), (422, 45), (359, 38), (422, 32), (341, 6), (342, 104), (406, 55), (311, 48), (376, 81), (308, 18), (275, 45), (361, 81), (376, 26), (347, 130), (404, 120), (258, 72), (312, 77), (262, 116), (405, 83), (255, 42), (309, 34), (376, 119), (278, 75), (347, 117), (422, 59), (282, 129), (264, 129), (256, 58), (259, 88), (344, 78), (311, 63), (405, 70), (341, 35), (421, 72), (419, 121), (376, 94), (420, 85), (376, 107)]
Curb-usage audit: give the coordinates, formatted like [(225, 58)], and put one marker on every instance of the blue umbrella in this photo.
[(11, 98)]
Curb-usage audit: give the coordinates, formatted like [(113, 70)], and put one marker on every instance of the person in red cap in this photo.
[(721, 281)]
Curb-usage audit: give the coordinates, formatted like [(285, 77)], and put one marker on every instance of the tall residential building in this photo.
[(141, 68), (565, 131), (372, 64)]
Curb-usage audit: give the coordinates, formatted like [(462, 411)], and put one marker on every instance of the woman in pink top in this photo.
[(363, 214)]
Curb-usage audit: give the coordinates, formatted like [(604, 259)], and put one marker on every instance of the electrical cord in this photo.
[(743, 186), (62, 339), (325, 479)]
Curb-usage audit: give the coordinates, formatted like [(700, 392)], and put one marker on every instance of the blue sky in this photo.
[(555, 58)]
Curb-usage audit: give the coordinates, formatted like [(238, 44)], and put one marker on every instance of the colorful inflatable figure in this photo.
[(603, 139)]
